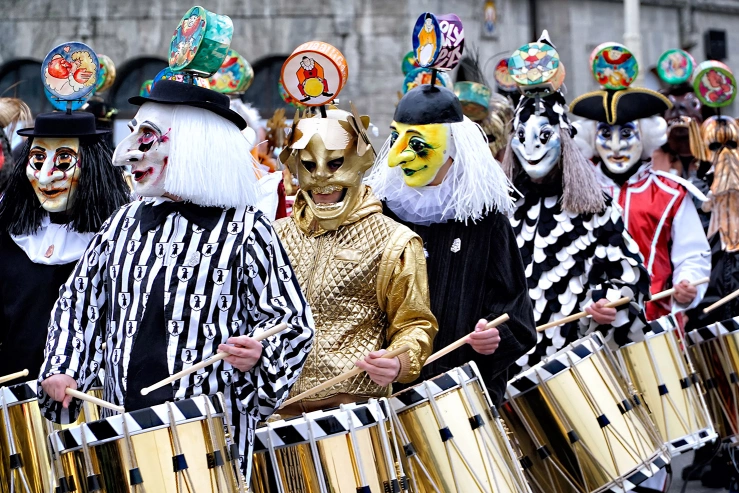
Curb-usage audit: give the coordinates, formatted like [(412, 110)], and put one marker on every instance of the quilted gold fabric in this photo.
[(354, 314)]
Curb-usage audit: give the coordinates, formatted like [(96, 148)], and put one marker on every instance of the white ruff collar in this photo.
[(53, 244)]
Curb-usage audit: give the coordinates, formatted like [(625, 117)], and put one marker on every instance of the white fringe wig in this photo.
[(653, 132), (210, 163), (474, 185)]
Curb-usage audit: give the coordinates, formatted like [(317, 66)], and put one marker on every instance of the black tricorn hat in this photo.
[(173, 92), (427, 104), (619, 107), (61, 124)]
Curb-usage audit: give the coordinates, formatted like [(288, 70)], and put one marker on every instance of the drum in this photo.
[(659, 371), (452, 437), (344, 450), (576, 426), (169, 448), (24, 455), (715, 350)]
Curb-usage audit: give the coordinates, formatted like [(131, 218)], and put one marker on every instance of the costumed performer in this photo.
[(620, 134), (576, 252), (436, 175), (191, 270)]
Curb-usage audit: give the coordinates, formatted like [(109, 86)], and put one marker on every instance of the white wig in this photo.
[(210, 163), (474, 185), (653, 132), (252, 117)]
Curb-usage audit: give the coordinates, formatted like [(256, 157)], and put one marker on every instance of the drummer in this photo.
[(621, 131), (190, 270), (363, 273), (564, 214), (57, 196), (437, 176)]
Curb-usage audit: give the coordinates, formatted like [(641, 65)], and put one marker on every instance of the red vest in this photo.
[(650, 203)]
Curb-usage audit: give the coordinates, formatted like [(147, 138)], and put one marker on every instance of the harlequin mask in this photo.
[(330, 156), (53, 169), (537, 145), (147, 149), (619, 146), (420, 151)]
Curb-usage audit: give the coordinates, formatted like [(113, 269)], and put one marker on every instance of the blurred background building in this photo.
[(372, 34)]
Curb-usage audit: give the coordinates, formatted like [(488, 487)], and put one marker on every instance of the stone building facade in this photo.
[(373, 35)]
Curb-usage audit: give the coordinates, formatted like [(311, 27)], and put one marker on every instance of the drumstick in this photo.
[(578, 316), (93, 400), (218, 357), (463, 340), (340, 378), (722, 301), (13, 376), (670, 292)]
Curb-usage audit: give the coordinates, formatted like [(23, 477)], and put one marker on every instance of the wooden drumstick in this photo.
[(340, 378), (669, 292), (722, 301), (463, 340), (13, 376), (93, 400), (578, 316), (218, 357)]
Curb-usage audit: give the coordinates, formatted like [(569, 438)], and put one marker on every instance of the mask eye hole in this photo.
[(731, 144), (521, 135), (545, 136), (627, 133), (418, 146), (36, 160), (393, 138), (605, 132), (310, 166), (714, 146), (335, 164), (64, 161)]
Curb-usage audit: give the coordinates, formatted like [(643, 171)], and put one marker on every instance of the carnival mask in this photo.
[(420, 151), (146, 149), (685, 108), (537, 145), (53, 170), (329, 166), (619, 146)]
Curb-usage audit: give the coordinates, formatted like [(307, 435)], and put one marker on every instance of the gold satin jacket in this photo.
[(367, 286)]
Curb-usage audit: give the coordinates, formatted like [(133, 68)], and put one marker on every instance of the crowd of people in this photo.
[(193, 236)]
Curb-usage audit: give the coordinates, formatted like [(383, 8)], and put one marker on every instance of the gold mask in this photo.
[(330, 156), (720, 136), (420, 151)]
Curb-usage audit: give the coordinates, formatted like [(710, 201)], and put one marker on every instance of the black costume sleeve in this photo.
[(508, 293)]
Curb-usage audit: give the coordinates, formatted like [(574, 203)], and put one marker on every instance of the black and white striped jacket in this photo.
[(231, 280)]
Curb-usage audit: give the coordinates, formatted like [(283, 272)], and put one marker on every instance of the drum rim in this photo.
[(75, 432), (469, 370), (593, 342), (32, 384), (373, 405), (695, 338), (652, 334)]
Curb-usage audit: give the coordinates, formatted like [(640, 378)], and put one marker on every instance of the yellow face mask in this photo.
[(419, 150)]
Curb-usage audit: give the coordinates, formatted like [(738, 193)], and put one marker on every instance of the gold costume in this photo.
[(367, 286)]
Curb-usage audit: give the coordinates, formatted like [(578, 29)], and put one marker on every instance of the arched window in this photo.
[(128, 82), (263, 93), (21, 78)]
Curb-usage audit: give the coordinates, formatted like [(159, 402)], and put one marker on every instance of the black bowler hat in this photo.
[(61, 124), (428, 104), (173, 92)]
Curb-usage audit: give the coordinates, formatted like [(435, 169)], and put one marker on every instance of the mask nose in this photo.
[(404, 157), (127, 157), (48, 174)]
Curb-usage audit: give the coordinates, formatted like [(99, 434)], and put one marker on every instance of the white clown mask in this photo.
[(619, 146), (537, 145), (54, 171), (147, 149)]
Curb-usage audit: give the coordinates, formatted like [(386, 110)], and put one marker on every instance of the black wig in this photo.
[(101, 190)]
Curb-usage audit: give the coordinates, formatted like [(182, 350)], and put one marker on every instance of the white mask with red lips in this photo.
[(53, 170), (147, 149)]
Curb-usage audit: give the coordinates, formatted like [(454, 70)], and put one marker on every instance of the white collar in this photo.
[(60, 242)]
